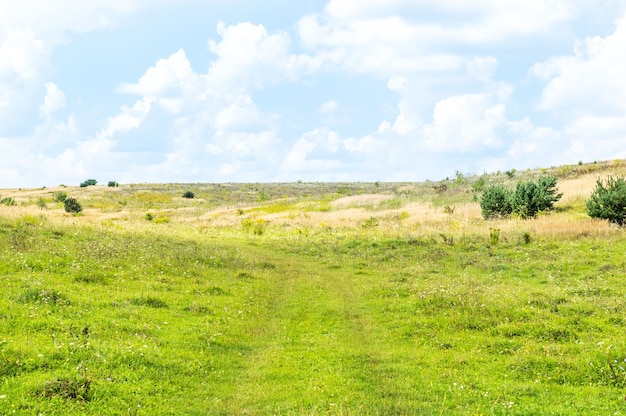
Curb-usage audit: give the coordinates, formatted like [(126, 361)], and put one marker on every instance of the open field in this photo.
[(311, 298)]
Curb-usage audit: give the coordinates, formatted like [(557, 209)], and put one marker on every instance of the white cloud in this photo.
[(329, 107), (591, 81), (128, 119), (164, 79), (53, 101), (248, 57), (242, 113)]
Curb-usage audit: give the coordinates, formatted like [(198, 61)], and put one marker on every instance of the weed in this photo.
[(370, 222), (149, 301), (43, 296), (494, 236), (66, 388)]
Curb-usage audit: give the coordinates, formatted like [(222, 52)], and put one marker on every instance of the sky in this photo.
[(221, 91)]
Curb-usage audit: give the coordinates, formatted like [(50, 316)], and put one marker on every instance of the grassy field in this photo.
[(310, 299)]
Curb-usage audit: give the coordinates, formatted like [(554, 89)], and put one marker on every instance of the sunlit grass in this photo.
[(344, 299)]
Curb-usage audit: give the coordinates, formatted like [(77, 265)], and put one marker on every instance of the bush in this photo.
[(72, 206), (608, 201), (59, 196), (8, 201), (527, 201), (113, 184), (188, 195), (88, 182), (496, 201), (530, 198)]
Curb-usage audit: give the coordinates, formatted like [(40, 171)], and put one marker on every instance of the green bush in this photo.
[(8, 201), (88, 182), (59, 196), (530, 198), (188, 195), (72, 206), (496, 201), (608, 201), (113, 184), (527, 201)]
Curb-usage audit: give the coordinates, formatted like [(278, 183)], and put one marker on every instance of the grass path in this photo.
[(314, 336)]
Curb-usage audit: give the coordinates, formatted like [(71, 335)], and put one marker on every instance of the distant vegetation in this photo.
[(88, 182)]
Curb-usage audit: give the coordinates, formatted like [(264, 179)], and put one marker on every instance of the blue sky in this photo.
[(337, 90)]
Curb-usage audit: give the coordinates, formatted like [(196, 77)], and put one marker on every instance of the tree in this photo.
[(188, 195), (608, 201)]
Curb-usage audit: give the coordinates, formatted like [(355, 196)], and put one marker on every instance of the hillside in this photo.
[(310, 299)]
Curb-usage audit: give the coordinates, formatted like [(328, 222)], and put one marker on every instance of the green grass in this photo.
[(190, 319)]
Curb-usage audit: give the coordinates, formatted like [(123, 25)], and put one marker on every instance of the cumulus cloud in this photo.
[(450, 103), (53, 101), (248, 57), (589, 81)]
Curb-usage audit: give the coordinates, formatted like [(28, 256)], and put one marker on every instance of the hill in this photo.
[(310, 298)]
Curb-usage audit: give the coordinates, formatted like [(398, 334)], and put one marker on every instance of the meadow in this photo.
[(311, 299)]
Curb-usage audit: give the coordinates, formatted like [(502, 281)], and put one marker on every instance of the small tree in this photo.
[(188, 195), (113, 184), (72, 206), (530, 198), (608, 201), (496, 202)]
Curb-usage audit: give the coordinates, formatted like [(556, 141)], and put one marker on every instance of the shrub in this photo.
[(496, 201), (478, 185), (59, 196), (72, 206), (8, 201), (527, 201), (41, 203), (530, 198), (188, 195), (88, 182), (608, 201), (113, 184), (149, 216)]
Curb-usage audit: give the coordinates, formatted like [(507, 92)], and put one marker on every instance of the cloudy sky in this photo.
[(313, 90)]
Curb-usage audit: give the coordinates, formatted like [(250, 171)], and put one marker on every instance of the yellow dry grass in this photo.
[(413, 218)]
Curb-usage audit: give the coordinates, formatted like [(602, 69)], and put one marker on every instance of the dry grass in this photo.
[(413, 217)]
